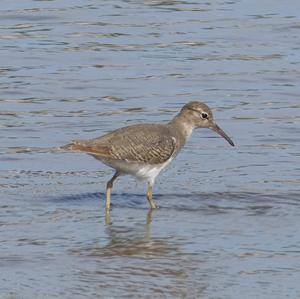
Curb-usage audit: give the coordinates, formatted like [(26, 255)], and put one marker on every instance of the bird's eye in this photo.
[(204, 115)]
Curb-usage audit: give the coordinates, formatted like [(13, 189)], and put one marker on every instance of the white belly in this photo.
[(140, 170)]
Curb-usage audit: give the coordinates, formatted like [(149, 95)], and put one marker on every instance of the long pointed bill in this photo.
[(217, 129)]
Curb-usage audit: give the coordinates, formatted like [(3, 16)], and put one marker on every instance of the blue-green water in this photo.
[(228, 223)]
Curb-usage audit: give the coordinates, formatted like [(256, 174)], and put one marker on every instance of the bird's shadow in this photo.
[(129, 239)]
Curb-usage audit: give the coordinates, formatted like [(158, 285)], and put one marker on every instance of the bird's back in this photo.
[(143, 143)]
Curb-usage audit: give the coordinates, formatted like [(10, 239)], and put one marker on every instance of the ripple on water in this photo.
[(229, 217)]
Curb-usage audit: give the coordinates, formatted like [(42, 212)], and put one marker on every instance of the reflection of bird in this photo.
[(144, 150)]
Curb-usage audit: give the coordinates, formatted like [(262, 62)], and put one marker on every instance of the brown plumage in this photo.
[(144, 150), (147, 143)]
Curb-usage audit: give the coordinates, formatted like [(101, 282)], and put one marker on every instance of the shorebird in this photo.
[(144, 150)]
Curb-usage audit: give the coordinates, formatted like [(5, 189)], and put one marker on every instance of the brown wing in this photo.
[(147, 143)]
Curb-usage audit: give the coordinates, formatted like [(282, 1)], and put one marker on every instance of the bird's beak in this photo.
[(217, 129)]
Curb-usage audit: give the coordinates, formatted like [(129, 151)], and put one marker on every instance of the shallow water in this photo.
[(228, 223)]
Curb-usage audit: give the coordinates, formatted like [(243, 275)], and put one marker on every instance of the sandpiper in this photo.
[(144, 150)]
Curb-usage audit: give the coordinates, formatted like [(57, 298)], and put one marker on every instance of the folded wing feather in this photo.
[(150, 144)]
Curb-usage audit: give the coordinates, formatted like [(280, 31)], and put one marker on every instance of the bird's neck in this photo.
[(183, 126)]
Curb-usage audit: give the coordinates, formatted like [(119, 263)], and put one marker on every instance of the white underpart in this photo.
[(150, 172), (141, 171)]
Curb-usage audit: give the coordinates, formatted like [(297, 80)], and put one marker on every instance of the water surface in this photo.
[(228, 221)]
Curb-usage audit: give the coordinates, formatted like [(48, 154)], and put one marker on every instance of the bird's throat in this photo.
[(183, 127)]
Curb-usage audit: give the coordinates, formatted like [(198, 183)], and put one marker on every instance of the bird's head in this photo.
[(199, 115)]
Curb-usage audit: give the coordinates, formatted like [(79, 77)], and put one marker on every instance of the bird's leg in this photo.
[(149, 217), (108, 191), (149, 196), (107, 218)]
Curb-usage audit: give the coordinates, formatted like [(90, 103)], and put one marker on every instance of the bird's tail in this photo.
[(86, 147), (74, 146), (68, 147)]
